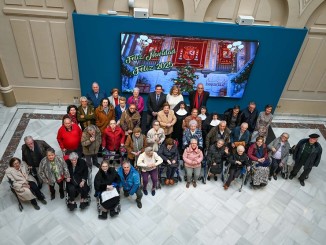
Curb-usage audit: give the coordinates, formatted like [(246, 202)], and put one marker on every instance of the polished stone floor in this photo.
[(283, 212)]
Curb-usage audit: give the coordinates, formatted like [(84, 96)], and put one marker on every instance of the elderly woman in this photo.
[(190, 133), (91, 141), (135, 145), (280, 148), (104, 114), (166, 119), (148, 162), (216, 154), (192, 157), (257, 153), (170, 155), (264, 120), (107, 179), (137, 100), (71, 113), (155, 136), (77, 182), (53, 169), (130, 119), (114, 98), (193, 116), (238, 160), (23, 183), (174, 97)]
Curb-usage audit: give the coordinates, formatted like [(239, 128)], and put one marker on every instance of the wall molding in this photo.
[(35, 12)]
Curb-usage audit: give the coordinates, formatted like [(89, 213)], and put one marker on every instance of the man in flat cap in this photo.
[(307, 153)]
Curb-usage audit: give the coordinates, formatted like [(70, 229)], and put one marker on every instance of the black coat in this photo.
[(27, 154), (152, 106), (192, 95), (166, 154), (80, 173), (314, 157), (103, 179), (228, 117), (236, 157), (250, 118), (216, 154)]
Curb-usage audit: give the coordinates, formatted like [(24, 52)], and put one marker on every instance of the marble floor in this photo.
[(283, 212)]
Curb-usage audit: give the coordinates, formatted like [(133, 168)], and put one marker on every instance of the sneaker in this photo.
[(145, 192), (139, 205), (153, 192), (43, 201), (275, 177), (113, 213), (215, 178), (188, 184), (194, 184)]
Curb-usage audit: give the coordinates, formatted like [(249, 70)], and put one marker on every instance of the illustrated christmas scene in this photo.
[(223, 66)]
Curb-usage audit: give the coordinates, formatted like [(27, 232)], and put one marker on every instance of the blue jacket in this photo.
[(132, 182), (95, 101), (118, 112), (235, 134)]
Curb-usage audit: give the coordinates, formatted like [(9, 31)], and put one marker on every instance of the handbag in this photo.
[(216, 169)]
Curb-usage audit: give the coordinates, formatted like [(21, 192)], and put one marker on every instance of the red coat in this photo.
[(69, 140), (112, 140)]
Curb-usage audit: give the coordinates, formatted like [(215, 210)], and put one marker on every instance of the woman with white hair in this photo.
[(155, 136), (238, 160), (137, 100), (192, 133), (148, 161)]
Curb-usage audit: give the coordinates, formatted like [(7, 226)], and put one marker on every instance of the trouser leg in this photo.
[(196, 173), (145, 179), (34, 188), (296, 168), (189, 172), (154, 178), (139, 195), (72, 192), (231, 176), (305, 173)]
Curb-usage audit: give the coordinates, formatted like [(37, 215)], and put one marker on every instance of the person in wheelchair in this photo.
[(135, 145), (170, 155), (258, 154), (23, 183), (216, 154), (105, 183), (237, 161), (192, 133), (77, 182)]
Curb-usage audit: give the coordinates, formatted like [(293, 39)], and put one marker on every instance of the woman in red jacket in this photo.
[(113, 137)]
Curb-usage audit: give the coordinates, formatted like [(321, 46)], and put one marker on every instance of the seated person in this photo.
[(23, 183), (107, 179), (238, 160), (216, 133), (215, 156), (77, 182), (257, 153), (130, 182), (113, 137), (193, 116), (170, 155), (53, 169), (240, 136), (155, 136), (148, 162), (192, 133), (135, 145), (130, 119), (192, 157)]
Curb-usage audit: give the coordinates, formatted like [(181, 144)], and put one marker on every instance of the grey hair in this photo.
[(221, 140), (193, 122), (95, 83), (148, 149), (51, 150), (28, 138), (240, 147), (244, 124), (73, 155), (193, 140), (83, 98), (135, 89), (223, 121), (126, 162), (91, 128), (285, 133)]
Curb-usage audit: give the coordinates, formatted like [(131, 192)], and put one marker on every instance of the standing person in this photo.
[(33, 151), (193, 116), (148, 162), (23, 183), (250, 115), (119, 109), (232, 117), (155, 103), (181, 111), (135, 145), (71, 113), (167, 119), (203, 114), (137, 100), (155, 136), (130, 182), (192, 157), (95, 96), (104, 114), (53, 169), (280, 148), (130, 119), (307, 153), (113, 137), (174, 97), (68, 137), (264, 120), (85, 113), (199, 97), (114, 98), (91, 141)]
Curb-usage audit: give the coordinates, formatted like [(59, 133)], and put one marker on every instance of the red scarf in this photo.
[(197, 104)]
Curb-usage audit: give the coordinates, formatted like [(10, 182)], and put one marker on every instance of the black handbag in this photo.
[(216, 169)]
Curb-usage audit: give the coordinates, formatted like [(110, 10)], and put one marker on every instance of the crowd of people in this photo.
[(174, 134)]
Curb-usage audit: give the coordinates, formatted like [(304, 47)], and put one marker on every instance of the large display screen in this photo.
[(222, 66)]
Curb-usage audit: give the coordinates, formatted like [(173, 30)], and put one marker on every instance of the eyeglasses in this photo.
[(156, 124)]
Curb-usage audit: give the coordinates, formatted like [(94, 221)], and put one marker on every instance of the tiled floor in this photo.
[(281, 213)]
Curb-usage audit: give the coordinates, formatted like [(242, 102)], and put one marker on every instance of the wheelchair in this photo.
[(114, 157), (243, 177), (73, 206), (113, 211), (20, 205), (286, 169), (162, 168)]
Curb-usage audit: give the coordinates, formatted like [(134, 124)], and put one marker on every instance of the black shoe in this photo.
[(126, 193), (145, 192), (103, 216), (153, 192), (275, 177), (34, 203), (291, 176), (215, 178), (52, 196), (208, 177), (83, 205), (302, 182), (43, 201), (269, 178), (72, 206), (62, 194), (113, 213), (139, 205)]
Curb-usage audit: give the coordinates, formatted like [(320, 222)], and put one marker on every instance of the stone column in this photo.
[(5, 89)]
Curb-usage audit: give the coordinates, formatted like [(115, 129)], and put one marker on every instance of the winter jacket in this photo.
[(132, 181), (192, 157)]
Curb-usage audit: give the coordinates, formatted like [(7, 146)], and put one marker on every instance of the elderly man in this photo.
[(250, 115), (33, 151), (240, 136), (95, 96), (130, 119), (218, 132), (199, 97), (68, 137), (307, 153), (85, 113), (130, 182)]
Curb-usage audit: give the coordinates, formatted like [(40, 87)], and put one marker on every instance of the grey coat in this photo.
[(46, 174), (276, 143)]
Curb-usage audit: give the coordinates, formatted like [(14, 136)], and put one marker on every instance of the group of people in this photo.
[(179, 132)]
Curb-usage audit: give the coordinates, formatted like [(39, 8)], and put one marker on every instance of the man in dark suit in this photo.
[(95, 96), (250, 115), (199, 97), (155, 103)]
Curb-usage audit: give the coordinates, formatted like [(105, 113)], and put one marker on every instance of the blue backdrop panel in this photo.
[(98, 51)]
